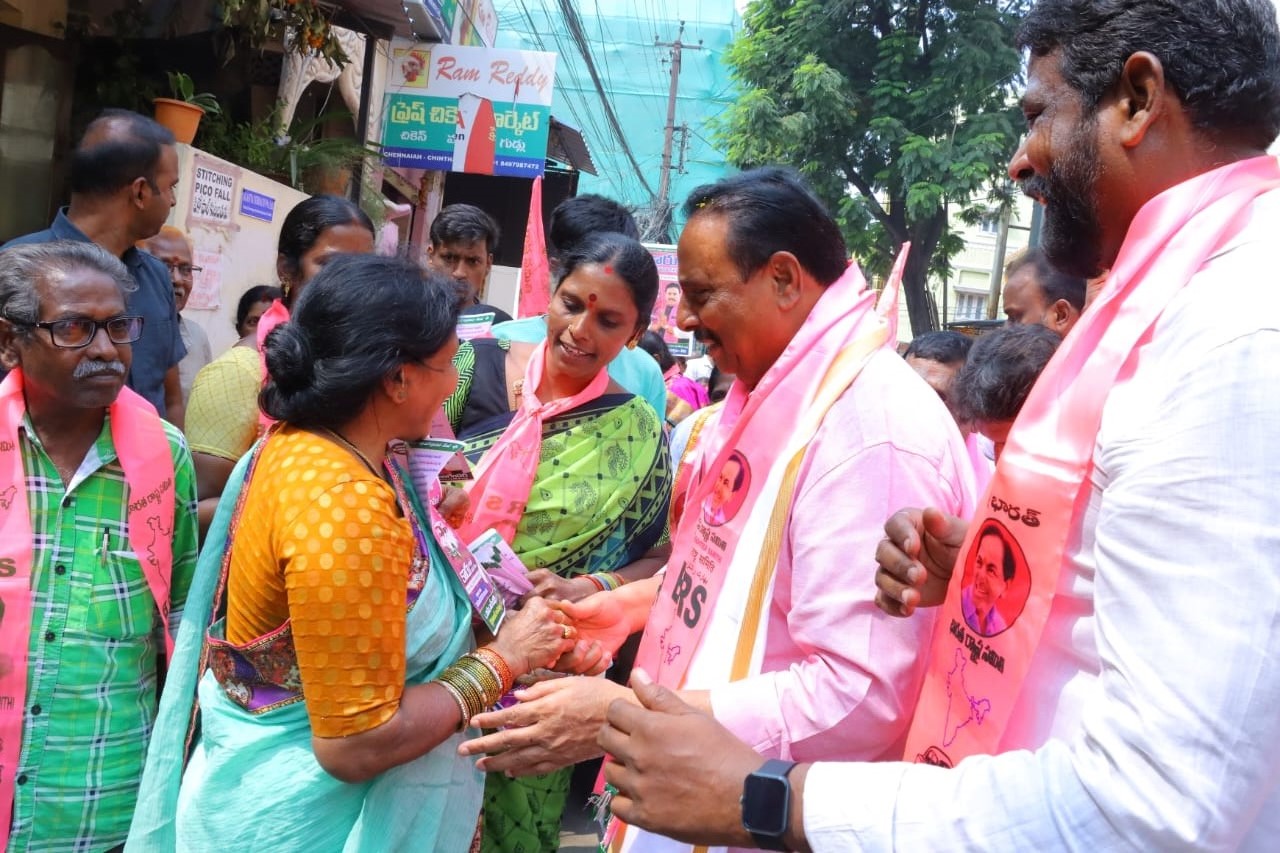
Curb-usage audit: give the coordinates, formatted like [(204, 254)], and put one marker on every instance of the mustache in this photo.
[(88, 369), (1035, 187), (702, 336)]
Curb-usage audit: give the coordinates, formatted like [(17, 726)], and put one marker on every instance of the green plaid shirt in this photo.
[(95, 638)]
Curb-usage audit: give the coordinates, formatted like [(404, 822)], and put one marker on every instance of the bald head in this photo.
[(117, 148), (172, 249)]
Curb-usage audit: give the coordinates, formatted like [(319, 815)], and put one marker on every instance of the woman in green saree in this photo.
[(341, 668), (571, 469)]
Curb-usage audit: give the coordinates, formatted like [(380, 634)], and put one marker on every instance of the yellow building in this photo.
[(963, 295)]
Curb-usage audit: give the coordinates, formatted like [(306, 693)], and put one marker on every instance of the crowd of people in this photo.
[(822, 596)]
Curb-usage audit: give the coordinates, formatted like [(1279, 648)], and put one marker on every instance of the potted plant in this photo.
[(182, 113)]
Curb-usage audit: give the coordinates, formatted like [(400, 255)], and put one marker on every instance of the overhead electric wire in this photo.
[(574, 24), (534, 34)]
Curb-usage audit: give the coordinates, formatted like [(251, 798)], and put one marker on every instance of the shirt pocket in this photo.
[(120, 603)]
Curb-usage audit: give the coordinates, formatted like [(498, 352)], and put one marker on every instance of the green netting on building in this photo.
[(635, 77)]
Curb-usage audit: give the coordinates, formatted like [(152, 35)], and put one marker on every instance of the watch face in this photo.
[(764, 805)]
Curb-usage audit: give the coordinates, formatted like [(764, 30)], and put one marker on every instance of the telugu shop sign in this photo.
[(468, 109)]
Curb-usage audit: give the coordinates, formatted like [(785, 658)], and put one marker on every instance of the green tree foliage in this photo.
[(894, 111)]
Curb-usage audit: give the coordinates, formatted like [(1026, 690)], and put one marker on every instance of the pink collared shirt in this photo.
[(839, 678)]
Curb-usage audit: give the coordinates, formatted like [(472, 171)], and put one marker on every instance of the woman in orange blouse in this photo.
[(343, 673)]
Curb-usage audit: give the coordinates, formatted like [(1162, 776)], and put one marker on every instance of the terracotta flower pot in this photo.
[(180, 117)]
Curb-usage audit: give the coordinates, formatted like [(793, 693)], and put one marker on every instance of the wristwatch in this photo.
[(766, 804)]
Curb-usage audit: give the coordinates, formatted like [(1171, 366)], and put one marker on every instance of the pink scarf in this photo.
[(752, 432), (978, 661), (272, 317), (505, 475), (143, 450)]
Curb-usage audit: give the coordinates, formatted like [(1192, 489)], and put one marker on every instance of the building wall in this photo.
[(236, 254), (970, 280)]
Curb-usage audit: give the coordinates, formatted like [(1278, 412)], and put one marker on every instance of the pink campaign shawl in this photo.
[(754, 429), (844, 330), (272, 317), (143, 450), (505, 474), (976, 671)]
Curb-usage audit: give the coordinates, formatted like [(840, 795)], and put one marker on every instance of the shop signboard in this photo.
[(468, 109)]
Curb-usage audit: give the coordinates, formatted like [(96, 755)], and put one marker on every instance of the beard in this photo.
[(1071, 233)]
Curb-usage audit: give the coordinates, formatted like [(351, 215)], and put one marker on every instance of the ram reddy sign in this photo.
[(468, 109)]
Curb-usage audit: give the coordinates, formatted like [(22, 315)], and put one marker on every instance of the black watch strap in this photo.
[(767, 829)]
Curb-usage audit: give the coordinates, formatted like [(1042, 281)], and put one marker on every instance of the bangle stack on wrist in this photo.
[(606, 581), (476, 681)]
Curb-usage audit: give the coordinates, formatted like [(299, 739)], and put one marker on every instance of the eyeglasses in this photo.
[(184, 270), (79, 332)]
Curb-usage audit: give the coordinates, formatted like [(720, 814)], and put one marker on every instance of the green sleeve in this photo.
[(456, 404)]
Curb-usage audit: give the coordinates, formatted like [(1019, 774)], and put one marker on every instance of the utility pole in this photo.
[(664, 180), (997, 262)]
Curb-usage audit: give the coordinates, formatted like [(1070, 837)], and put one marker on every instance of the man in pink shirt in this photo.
[(762, 263)]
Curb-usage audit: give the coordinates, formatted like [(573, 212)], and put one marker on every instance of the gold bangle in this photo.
[(471, 693), (488, 679), (462, 705), (501, 668), (481, 678)]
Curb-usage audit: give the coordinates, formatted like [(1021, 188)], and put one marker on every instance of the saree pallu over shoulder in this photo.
[(603, 484), (253, 782)]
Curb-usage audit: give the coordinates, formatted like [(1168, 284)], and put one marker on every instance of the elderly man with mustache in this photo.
[(97, 549)]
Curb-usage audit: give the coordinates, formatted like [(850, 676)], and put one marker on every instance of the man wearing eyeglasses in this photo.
[(123, 176), (97, 549), (172, 249)]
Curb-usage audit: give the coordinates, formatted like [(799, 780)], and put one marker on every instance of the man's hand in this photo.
[(585, 658), (453, 506), (917, 559), (600, 618), (554, 726), (678, 772)]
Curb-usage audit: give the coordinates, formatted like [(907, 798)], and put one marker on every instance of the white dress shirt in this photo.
[(1150, 717)]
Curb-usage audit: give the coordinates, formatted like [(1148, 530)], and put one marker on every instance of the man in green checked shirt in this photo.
[(97, 549)]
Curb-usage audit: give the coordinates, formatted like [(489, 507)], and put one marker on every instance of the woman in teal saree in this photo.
[(334, 686)]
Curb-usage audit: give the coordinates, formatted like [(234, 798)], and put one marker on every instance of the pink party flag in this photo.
[(887, 305), (535, 274)]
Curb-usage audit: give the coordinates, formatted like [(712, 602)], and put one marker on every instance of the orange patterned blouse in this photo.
[(321, 542)]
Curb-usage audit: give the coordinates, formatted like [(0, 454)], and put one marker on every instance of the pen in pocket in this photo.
[(102, 554)]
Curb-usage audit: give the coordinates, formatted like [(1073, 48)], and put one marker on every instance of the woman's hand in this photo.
[(549, 585), (534, 637), (453, 506), (554, 725)]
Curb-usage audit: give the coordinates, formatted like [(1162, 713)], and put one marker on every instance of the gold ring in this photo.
[(567, 631)]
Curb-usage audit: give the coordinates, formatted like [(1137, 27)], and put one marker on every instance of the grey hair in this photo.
[(21, 267)]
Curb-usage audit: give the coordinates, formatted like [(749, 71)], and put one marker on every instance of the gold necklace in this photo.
[(341, 439)]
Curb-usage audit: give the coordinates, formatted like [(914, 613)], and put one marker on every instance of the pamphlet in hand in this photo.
[(456, 468), (427, 458), (505, 569)]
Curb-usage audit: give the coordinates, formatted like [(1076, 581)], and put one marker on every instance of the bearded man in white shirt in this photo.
[(1145, 715)]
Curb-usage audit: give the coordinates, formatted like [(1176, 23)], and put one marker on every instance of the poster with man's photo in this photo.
[(665, 307)]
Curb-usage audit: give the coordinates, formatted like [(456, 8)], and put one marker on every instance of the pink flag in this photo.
[(535, 275), (887, 305)]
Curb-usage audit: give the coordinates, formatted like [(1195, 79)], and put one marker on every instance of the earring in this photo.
[(632, 344)]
